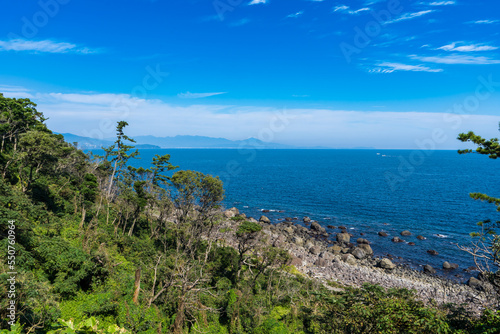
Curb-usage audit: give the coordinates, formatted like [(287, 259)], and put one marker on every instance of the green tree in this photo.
[(486, 243)]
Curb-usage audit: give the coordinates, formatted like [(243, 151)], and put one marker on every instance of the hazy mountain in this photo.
[(151, 142)]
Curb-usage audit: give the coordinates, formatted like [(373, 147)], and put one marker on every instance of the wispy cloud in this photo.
[(485, 21), (458, 59), (293, 16), (15, 91), (442, 3), (256, 2), (346, 9), (189, 95), (394, 67), (409, 16), (47, 46), (467, 48)]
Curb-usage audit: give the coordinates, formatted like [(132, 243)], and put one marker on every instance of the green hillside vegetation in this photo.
[(103, 247)]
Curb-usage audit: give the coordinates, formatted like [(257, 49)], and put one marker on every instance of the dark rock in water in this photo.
[(411, 243), (342, 227), (315, 250), (295, 218), (405, 233), (332, 227), (475, 283), (343, 238), (281, 211), (288, 219), (382, 234), (306, 219), (386, 264), (317, 227), (432, 252), (419, 237), (361, 233), (397, 239), (321, 262), (362, 241), (264, 219), (429, 270), (265, 211), (446, 265), (469, 269), (359, 253)]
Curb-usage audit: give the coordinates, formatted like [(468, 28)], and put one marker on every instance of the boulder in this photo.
[(362, 241), (419, 237), (382, 234), (327, 256), (295, 261), (288, 219), (386, 264), (335, 249), (359, 253), (242, 215), (315, 250), (368, 250), (349, 259), (298, 241), (475, 283), (321, 262), (343, 238), (265, 211), (229, 214), (429, 270), (411, 244), (279, 241), (332, 227), (446, 265), (405, 233), (252, 220), (342, 228), (432, 252), (317, 227), (397, 239), (306, 220), (264, 219)]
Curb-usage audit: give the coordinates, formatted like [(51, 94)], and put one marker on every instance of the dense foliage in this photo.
[(103, 247)]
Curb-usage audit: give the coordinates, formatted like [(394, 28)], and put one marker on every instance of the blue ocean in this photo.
[(425, 192)]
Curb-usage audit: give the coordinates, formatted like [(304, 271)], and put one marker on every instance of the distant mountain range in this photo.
[(151, 142)]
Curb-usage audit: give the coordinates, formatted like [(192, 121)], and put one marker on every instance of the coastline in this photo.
[(351, 263)]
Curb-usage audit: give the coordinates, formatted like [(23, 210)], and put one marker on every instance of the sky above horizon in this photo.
[(359, 73)]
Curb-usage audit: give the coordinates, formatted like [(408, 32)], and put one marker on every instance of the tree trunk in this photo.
[(132, 228), (179, 317), (137, 286), (83, 217)]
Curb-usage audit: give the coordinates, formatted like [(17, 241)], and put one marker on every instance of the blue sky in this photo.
[(385, 74)]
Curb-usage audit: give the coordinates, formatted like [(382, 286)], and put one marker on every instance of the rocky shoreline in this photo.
[(350, 262)]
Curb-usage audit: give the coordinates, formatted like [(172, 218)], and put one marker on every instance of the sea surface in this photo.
[(425, 192)]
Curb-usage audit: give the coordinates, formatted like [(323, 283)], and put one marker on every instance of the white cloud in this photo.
[(256, 2), (42, 46), (345, 9), (189, 95), (457, 59), (409, 16), (296, 14), (442, 3), (95, 115), (485, 21), (467, 48), (393, 67)]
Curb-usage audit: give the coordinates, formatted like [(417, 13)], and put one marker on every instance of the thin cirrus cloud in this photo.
[(467, 48), (442, 3), (409, 16), (485, 21), (43, 46), (189, 95), (458, 60), (394, 67), (295, 15), (346, 9)]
